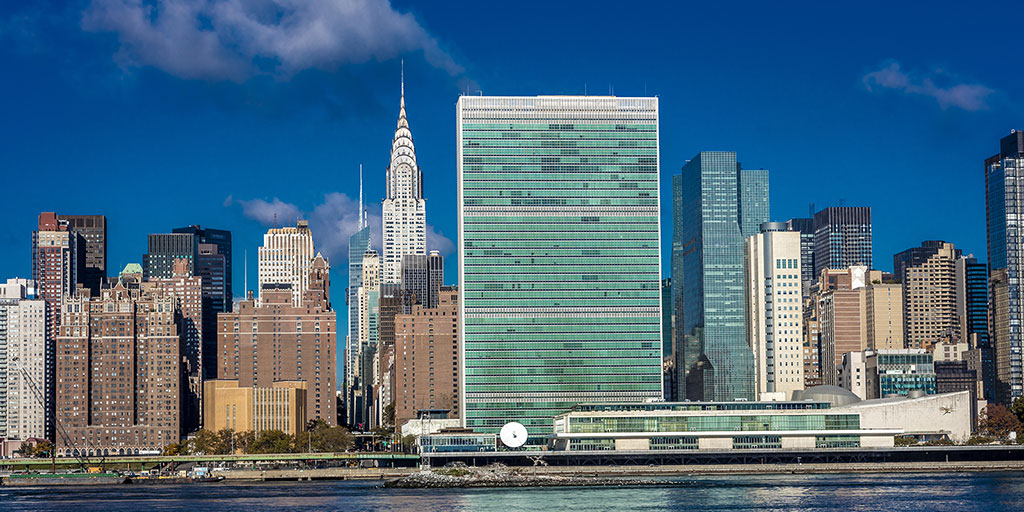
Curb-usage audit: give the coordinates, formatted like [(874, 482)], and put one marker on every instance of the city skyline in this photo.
[(237, 148)]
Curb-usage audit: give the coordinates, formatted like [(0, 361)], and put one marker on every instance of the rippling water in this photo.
[(931, 492)]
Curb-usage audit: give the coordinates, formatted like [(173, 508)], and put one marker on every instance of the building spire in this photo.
[(362, 217)]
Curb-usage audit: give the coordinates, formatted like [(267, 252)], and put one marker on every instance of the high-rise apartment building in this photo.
[(1004, 197), (559, 267), (714, 359), (272, 340), (842, 238), (883, 315), (187, 292), (285, 258), (774, 300), (119, 376), (24, 373), (404, 209), (57, 258), (806, 229), (93, 229), (427, 358), (928, 274)]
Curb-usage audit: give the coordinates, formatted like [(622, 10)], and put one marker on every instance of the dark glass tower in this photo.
[(222, 239), (842, 237), (1004, 198), (93, 229), (806, 229), (720, 206)]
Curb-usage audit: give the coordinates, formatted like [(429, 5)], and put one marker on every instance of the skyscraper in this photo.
[(422, 275), (426, 358), (93, 229), (775, 309), (163, 250), (219, 290), (559, 267), (928, 274), (23, 361), (57, 256), (1004, 197), (358, 244), (285, 257), (972, 311), (272, 340), (119, 373), (404, 211), (806, 229), (842, 237), (718, 209)]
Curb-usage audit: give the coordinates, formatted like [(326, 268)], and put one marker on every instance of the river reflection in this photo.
[(893, 492)]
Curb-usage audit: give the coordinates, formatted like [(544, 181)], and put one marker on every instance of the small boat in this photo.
[(170, 479)]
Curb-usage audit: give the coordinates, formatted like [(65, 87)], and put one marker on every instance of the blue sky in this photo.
[(222, 113)]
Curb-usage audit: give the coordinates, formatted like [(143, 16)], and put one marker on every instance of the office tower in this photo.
[(198, 338), (842, 238), (971, 280), (358, 244), (840, 317), (667, 318), (427, 358), (953, 376), (774, 304), (93, 229), (972, 311), (273, 340), (883, 315), (285, 257), (422, 275), (806, 229), (163, 250), (559, 267), (812, 341), (57, 256), (859, 374), (404, 211), (394, 300), (119, 374), (214, 263), (1004, 195), (714, 359), (23, 361), (676, 271), (928, 274), (282, 406), (361, 349)]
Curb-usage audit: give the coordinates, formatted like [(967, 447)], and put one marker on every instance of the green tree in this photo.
[(1017, 408), (389, 415), (222, 442), (998, 421), (243, 440), (272, 441), (172, 449)]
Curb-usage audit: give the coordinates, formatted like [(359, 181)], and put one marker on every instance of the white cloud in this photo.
[(237, 39), (332, 222), (966, 96)]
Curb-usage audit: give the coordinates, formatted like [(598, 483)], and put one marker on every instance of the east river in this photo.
[(928, 492)]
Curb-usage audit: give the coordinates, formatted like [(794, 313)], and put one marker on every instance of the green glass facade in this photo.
[(717, 205), (559, 268)]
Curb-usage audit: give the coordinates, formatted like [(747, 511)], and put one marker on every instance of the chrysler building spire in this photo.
[(404, 209)]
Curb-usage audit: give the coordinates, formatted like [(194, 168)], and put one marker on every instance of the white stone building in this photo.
[(285, 257), (404, 210)]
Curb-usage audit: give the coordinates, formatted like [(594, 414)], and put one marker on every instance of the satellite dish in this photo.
[(513, 434)]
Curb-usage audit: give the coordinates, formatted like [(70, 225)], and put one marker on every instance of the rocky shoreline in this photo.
[(498, 475)]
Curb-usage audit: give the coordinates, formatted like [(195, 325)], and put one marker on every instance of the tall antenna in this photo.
[(403, 78)]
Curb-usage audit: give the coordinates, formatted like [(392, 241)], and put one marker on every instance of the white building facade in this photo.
[(285, 257), (774, 309), (24, 376), (404, 209)]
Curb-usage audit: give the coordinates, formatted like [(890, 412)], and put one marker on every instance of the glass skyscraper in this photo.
[(842, 238), (1004, 197), (559, 268), (717, 206)]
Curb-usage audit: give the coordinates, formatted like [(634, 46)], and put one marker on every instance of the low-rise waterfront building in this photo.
[(714, 426), (282, 406)]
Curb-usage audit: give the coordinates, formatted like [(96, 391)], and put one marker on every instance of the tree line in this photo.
[(319, 437)]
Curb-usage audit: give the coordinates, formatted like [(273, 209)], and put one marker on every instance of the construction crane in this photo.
[(58, 428)]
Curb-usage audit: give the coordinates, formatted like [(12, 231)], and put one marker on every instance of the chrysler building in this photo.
[(404, 207)]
